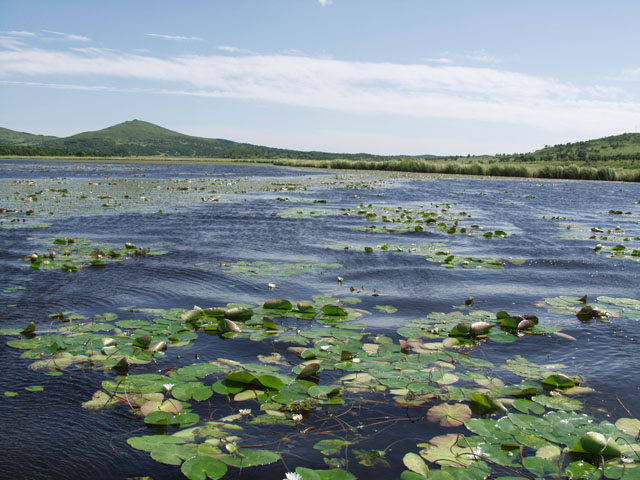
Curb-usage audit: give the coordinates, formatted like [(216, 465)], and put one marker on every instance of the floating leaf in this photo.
[(415, 463), (559, 402), (278, 304), (630, 426), (201, 468), (449, 415), (482, 404)]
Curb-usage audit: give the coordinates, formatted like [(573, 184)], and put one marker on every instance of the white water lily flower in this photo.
[(272, 286), (292, 476), (245, 412), (297, 418), (167, 386)]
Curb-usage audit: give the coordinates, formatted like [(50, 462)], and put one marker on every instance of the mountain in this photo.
[(139, 138)]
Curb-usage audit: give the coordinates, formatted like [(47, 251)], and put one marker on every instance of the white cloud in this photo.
[(172, 37), (69, 36), (230, 49), (412, 90), (18, 33), (324, 3)]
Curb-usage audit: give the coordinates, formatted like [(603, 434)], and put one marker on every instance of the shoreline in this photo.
[(538, 171)]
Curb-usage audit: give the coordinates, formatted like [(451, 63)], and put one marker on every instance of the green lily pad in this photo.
[(415, 463), (559, 402), (201, 468)]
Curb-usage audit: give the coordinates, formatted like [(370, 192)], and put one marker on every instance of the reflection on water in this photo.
[(209, 216)]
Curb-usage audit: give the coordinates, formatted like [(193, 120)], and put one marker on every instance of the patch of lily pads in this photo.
[(262, 268), (433, 252), (322, 364), (70, 254), (604, 308)]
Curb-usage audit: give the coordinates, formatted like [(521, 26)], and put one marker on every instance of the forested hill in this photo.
[(138, 138)]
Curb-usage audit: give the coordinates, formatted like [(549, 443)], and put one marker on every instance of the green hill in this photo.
[(10, 137), (138, 138), (617, 147)]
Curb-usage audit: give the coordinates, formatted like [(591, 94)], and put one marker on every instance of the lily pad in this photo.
[(449, 415)]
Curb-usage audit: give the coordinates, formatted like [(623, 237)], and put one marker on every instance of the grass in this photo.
[(602, 170)]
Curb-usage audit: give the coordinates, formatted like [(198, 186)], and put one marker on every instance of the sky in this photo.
[(411, 77)]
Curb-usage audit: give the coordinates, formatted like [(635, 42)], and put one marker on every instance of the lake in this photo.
[(376, 360)]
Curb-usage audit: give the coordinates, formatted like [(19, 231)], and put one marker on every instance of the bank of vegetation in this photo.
[(614, 158)]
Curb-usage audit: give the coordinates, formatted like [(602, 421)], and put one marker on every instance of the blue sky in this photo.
[(388, 77)]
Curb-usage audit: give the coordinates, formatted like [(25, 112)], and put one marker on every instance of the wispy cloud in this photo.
[(173, 37), (18, 33), (324, 3), (441, 60), (482, 57), (69, 36), (230, 49), (414, 90)]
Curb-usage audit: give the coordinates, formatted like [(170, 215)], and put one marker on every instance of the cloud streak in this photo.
[(412, 90), (173, 37), (69, 36)]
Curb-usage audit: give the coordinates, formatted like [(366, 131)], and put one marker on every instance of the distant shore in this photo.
[(602, 171)]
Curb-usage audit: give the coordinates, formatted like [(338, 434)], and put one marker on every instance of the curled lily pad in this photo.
[(596, 443), (278, 304), (558, 380), (304, 307), (462, 329), (238, 313), (480, 328), (30, 329), (334, 310), (482, 404), (309, 370)]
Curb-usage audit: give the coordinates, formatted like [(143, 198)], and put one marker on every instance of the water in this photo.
[(205, 216)]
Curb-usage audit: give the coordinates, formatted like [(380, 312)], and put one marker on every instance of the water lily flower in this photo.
[(292, 476), (167, 387), (340, 280), (245, 412), (272, 286), (297, 418)]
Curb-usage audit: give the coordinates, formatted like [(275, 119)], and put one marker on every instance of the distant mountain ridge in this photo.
[(140, 138), (137, 138)]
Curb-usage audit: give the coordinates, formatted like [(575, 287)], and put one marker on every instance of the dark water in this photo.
[(49, 435)]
